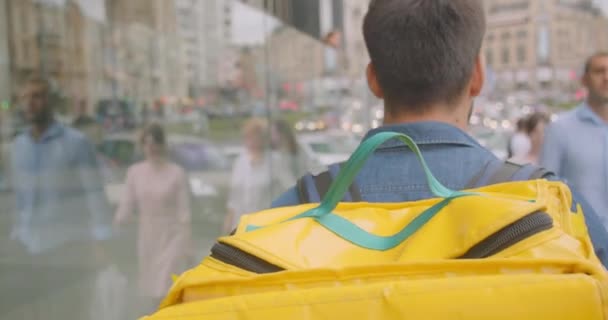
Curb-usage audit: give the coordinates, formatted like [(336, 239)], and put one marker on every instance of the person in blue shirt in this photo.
[(61, 216), (427, 67), (576, 145)]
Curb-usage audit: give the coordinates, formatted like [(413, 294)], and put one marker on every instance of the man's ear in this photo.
[(372, 81), (478, 77)]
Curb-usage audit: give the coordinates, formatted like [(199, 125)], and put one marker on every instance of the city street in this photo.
[(137, 132)]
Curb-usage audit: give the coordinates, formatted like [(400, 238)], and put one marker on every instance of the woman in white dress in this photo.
[(157, 191), (286, 145), (534, 128), (258, 175)]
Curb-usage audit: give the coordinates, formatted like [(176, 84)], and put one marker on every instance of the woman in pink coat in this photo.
[(157, 190)]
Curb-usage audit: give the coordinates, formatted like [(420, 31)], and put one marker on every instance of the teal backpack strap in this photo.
[(351, 232)]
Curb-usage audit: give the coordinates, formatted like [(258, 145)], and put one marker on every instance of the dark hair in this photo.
[(521, 124), (38, 80), (156, 132), (534, 120), (589, 61), (423, 51), (286, 134)]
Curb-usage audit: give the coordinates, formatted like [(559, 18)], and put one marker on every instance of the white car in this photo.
[(328, 147)]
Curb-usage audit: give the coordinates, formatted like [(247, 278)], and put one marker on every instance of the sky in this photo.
[(250, 26), (602, 4)]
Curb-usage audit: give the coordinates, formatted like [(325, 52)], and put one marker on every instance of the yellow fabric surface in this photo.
[(553, 274)]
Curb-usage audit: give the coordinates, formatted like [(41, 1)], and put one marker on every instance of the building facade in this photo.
[(57, 40), (301, 60), (540, 46), (145, 53), (97, 50), (357, 57), (204, 29)]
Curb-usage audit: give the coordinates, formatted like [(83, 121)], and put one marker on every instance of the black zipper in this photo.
[(506, 237), (241, 259), (510, 235)]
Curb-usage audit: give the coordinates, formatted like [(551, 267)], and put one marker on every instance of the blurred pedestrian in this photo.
[(156, 189), (61, 214), (575, 146), (87, 124), (284, 141), (144, 114), (519, 144), (258, 175), (534, 129)]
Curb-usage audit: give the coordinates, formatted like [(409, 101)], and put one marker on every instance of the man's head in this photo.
[(425, 53), (595, 78), (35, 101)]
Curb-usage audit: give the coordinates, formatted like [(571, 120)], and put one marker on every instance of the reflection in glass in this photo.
[(157, 190)]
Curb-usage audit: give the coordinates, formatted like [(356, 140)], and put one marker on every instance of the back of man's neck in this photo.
[(436, 116)]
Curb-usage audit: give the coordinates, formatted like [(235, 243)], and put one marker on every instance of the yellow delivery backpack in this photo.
[(508, 251)]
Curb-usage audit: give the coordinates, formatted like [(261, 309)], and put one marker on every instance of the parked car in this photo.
[(115, 115), (328, 147)]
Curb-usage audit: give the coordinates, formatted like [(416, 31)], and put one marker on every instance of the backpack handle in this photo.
[(351, 232), (352, 167)]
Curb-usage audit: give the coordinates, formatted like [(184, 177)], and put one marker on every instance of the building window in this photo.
[(506, 56), (510, 6), (489, 57), (521, 54), (506, 36), (545, 84), (490, 37), (522, 34), (522, 86), (26, 51), (543, 44), (564, 50)]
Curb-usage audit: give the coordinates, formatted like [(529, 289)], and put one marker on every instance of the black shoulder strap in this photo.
[(541, 173), (312, 188), (506, 171), (323, 182), (302, 192)]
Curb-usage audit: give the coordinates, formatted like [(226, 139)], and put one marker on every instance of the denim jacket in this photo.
[(394, 174)]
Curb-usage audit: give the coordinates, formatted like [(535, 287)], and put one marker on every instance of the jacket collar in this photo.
[(426, 133), (585, 113)]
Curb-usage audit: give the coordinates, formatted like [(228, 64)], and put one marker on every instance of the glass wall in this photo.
[(99, 210)]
